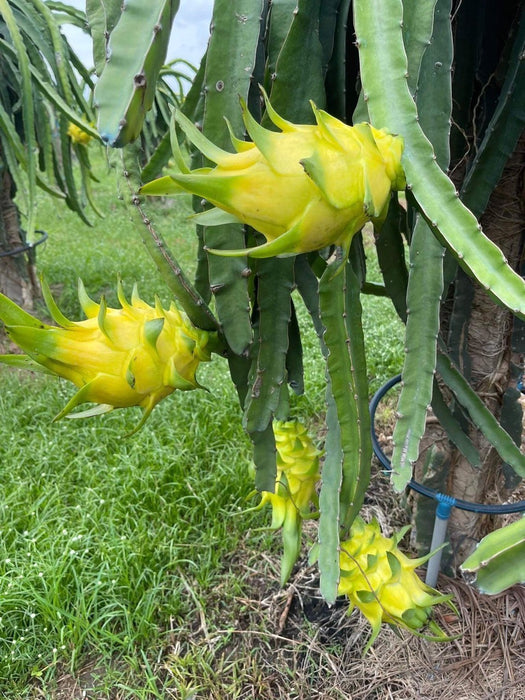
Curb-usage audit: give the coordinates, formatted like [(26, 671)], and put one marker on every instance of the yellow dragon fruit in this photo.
[(78, 135), (295, 484), (304, 188), (133, 356), (381, 581)]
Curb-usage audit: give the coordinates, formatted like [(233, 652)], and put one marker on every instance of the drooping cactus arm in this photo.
[(136, 51), (273, 313), (378, 25), (230, 62), (498, 561), (289, 96), (346, 472), (432, 87), (102, 16)]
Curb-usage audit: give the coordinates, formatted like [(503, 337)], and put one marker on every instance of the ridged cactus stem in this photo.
[(346, 471), (378, 26), (425, 282), (136, 51), (231, 57), (197, 310)]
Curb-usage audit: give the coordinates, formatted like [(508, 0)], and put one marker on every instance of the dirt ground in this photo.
[(321, 650), (297, 648), (287, 644)]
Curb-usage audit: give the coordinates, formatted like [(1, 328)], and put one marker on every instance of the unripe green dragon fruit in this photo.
[(295, 488), (304, 188), (381, 581), (133, 356)]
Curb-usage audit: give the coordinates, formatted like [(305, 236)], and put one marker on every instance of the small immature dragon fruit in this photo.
[(295, 488), (78, 135)]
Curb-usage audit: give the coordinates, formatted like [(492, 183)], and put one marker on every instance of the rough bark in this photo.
[(15, 278)]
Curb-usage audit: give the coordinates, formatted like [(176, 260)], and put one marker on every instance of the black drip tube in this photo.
[(27, 246), (517, 507)]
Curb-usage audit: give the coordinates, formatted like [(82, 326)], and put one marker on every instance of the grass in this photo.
[(115, 552)]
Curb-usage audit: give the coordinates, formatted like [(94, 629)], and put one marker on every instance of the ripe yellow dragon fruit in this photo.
[(295, 484), (381, 581), (304, 188), (78, 135), (133, 356)]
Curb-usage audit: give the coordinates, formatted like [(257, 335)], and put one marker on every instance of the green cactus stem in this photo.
[(498, 561), (378, 26), (136, 52)]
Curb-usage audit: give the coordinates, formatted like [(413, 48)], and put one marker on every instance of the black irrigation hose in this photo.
[(517, 507), (27, 246)]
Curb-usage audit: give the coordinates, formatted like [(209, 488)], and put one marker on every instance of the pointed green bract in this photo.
[(24, 362), (162, 187), (215, 217), (12, 315), (275, 118), (101, 317), (97, 410), (82, 395), (286, 244), (56, 314), (205, 146), (152, 330), (264, 140)]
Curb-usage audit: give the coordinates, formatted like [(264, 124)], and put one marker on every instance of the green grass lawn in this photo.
[(110, 547)]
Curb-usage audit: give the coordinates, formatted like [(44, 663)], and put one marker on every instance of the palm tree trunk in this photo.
[(15, 278), (492, 365)]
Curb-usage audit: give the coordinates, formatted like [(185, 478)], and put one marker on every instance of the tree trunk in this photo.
[(486, 356), (16, 278)]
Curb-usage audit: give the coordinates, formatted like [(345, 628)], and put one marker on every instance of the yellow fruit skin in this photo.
[(381, 581), (77, 135), (304, 188), (132, 356), (295, 488)]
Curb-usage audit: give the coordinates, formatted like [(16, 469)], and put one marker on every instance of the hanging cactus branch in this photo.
[(378, 25), (135, 54)]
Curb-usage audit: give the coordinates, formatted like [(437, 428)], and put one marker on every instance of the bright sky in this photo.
[(189, 34)]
